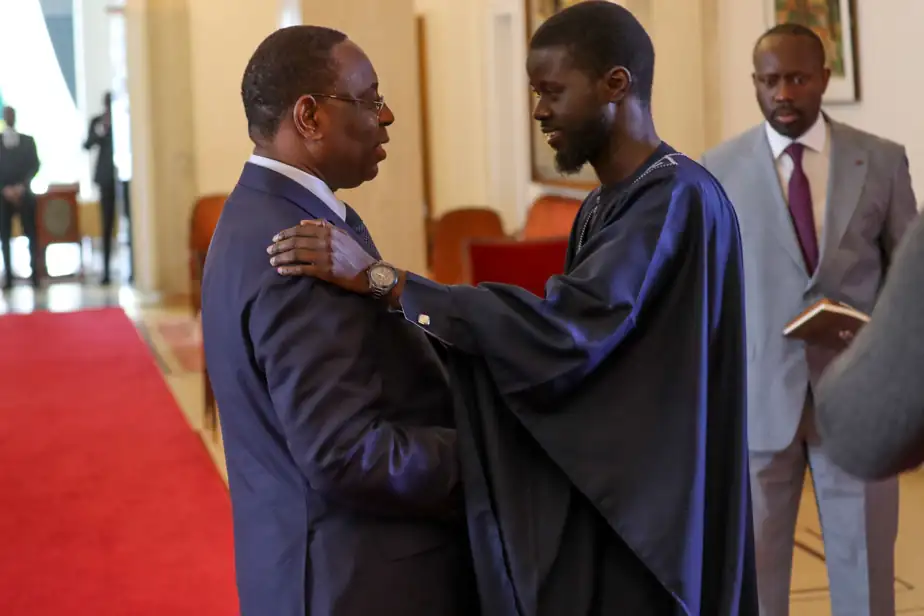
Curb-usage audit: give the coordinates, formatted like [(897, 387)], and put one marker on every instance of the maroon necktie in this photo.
[(800, 208)]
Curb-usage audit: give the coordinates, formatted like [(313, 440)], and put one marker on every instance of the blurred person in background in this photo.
[(99, 136), (19, 164)]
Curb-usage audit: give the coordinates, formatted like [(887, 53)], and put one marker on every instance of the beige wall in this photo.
[(677, 30), (392, 205), (163, 174), (185, 60), (221, 43), (189, 135), (457, 101)]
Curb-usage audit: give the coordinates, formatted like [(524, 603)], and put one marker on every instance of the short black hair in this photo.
[(601, 35), (289, 63), (795, 29)]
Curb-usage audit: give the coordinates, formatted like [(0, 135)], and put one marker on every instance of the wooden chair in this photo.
[(523, 263), (203, 221), (550, 216), (57, 221), (450, 234)]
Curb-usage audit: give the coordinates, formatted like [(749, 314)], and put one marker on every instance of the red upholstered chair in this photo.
[(202, 223), (449, 235), (550, 216), (525, 263)]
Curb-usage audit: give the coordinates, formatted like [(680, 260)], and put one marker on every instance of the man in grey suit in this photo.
[(821, 206), (336, 413)]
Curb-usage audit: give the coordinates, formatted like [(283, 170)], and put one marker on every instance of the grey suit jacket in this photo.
[(870, 204)]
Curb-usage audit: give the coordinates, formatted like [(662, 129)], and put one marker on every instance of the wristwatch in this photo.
[(382, 279)]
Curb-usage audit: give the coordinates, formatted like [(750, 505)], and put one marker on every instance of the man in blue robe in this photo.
[(601, 427)]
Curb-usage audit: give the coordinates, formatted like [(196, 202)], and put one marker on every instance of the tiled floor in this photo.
[(187, 386), (810, 585)]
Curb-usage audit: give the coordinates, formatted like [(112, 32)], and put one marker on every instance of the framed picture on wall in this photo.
[(541, 154), (835, 22)]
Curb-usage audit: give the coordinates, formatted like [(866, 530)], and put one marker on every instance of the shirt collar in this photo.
[(314, 184), (815, 138)]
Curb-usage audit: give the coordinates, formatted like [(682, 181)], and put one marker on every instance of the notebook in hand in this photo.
[(823, 322)]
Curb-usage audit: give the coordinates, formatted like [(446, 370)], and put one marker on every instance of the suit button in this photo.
[(424, 319)]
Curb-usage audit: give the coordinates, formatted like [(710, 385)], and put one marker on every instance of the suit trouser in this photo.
[(26, 212), (107, 202), (859, 524)]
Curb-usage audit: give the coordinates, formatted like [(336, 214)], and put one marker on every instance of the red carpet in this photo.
[(109, 504)]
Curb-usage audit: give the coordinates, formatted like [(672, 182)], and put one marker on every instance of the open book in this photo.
[(823, 322)]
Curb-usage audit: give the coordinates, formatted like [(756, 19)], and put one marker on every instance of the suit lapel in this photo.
[(846, 177), (775, 210), (268, 181)]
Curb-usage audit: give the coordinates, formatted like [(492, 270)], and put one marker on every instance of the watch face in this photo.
[(382, 276)]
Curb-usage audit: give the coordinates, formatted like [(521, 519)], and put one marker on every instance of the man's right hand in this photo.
[(318, 249)]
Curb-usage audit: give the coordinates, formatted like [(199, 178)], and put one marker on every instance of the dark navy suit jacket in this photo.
[(337, 425)]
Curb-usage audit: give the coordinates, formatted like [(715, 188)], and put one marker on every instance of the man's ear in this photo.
[(826, 77), (305, 117), (618, 82)]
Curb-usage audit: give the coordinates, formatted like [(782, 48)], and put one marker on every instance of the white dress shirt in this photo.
[(816, 161), (10, 138), (314, 184)]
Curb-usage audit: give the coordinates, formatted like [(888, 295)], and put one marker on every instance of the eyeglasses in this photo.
[(376, 105)]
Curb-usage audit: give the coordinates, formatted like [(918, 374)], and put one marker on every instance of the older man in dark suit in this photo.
[(19, 164), (335, 412)]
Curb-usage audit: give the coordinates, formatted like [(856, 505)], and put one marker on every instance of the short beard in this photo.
[(582, 145)]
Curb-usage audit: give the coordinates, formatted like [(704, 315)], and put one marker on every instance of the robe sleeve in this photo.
[(586, 314)]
